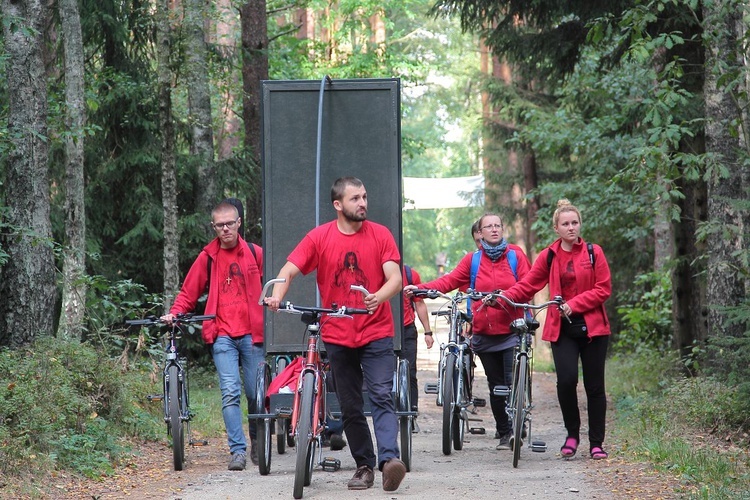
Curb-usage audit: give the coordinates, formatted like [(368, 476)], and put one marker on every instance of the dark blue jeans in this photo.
[(566, 352), (370, 367)]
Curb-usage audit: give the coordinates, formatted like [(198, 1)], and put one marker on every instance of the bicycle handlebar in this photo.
[(178, 319), (557, 300), (290, 308), (434, 294)]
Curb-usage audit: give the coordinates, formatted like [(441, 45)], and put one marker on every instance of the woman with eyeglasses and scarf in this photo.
[(491, 340)]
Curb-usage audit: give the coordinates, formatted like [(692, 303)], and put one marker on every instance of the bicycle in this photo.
[(177, 412), (519, 393), (308, 412), (455, 374)]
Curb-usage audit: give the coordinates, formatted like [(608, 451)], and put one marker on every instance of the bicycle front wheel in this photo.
[(304, 434), (449, 401), (175, 421), (519, 407)]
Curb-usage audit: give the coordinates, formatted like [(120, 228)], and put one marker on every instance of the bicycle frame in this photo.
[(313, 365)]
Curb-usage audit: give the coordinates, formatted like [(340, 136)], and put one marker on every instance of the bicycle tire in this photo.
[(449, 399), (304, 428), (464, 396), (263, 425), (404, 405), (176, 429), (282, 431), (518, 405)]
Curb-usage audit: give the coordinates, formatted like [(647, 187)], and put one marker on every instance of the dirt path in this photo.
[(478, 469)]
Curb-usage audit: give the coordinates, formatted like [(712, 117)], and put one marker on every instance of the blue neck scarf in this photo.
[(495, 252)]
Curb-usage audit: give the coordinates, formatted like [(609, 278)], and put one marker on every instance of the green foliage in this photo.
[(646, 314), (669, 420), (63, 404)]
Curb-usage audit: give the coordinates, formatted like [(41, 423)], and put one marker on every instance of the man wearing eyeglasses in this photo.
[(229, 269)]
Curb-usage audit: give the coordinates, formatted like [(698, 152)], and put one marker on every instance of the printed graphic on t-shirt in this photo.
[(350, 274), (568, 280)]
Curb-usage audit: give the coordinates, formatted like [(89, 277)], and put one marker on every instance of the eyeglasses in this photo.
[(218, 226), (493, 226)]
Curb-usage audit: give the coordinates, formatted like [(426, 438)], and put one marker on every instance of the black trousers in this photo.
[(592, 353), (498, 366)]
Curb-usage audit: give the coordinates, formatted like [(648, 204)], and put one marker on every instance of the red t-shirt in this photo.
[(342, 260), (409, 314)]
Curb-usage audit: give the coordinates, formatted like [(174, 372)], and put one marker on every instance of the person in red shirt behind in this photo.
[(352, 250), (236, 334), (414, 308), (580, 274)]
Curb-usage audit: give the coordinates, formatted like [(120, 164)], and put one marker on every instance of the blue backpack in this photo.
[(476, 258)]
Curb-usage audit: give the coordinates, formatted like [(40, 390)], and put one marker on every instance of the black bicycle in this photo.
[(519, 393), (455, 373), (177, 413)]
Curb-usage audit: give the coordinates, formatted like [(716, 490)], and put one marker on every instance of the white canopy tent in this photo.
[(451, 192)]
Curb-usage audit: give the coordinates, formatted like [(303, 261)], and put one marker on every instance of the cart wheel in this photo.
[(282, 435), (264, 425), (403, 404)]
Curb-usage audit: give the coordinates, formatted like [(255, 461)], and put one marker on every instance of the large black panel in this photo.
[(360, 136)]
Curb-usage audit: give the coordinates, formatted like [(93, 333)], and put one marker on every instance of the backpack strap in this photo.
[(409, 277), (589, 247), (476, 258), (512, 262)]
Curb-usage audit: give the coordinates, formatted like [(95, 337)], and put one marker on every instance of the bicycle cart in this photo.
[(299, 418)]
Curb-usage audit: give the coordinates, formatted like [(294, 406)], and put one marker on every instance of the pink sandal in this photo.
[(570, 447), (597, 453)]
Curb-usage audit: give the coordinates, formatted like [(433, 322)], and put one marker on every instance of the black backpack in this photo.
[(589, 247)]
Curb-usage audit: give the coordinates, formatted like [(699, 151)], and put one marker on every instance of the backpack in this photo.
[(476, 258), (589, 247)]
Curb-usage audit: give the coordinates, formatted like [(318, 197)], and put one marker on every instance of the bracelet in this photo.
[(428, 334)]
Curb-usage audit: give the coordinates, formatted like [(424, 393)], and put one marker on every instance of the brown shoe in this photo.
[(363, 478), (394, 471)]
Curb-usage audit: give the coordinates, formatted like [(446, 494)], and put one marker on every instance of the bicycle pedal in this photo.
[(284, 412), (538, 446), (198, 442), (476, 430), (480, 402), (501, 390), (155, 397), (431, 388), (331, 464)]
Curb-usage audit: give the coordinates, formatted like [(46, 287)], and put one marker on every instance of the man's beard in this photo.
[(354, 217)]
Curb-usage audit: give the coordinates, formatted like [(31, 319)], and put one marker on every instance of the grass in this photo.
[(660, 418)]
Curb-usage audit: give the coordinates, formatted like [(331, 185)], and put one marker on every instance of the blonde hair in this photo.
[(564, 205)]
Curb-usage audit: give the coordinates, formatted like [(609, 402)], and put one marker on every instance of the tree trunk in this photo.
[(74, 262), (254, 70), (27, 284), (725, 285), (168, 173), (199, 103), (530, 183)]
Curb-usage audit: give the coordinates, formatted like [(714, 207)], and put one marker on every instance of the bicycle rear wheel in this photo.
[(449, 400), (404, 405), (304, 434), (264, 425), (519, 407), (175, 421)]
